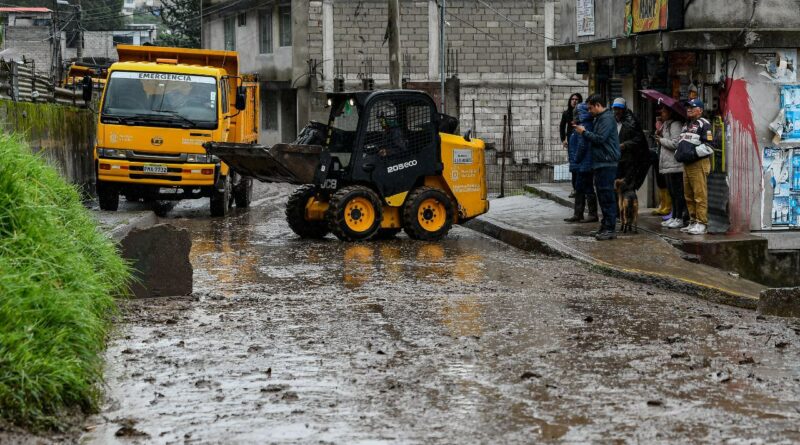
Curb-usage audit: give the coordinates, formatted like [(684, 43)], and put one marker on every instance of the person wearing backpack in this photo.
[(694, 152)]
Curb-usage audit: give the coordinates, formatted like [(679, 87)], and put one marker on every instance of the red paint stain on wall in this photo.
[(744, 155)]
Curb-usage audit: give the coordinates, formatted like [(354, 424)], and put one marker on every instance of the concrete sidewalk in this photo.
[(535, 223)]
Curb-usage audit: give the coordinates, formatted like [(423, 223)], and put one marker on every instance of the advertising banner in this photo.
[(790, 105), (645, 15), (779, 65), (782, 176), (584, 12)]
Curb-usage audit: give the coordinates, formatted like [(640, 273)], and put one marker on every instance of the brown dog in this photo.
[(628, 206)]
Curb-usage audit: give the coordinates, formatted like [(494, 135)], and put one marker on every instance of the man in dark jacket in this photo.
[(635, 159), (605, 159)]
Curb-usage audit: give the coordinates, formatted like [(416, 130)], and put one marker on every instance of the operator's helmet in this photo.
[(387, 115)]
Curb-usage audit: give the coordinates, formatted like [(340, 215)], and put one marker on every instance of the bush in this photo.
[(58, 279)]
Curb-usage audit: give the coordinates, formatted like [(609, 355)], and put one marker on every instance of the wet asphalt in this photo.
[(467, 340)]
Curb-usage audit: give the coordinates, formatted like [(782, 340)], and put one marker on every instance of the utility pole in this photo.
[(395, 68), (442, 66), (78, 14), (55, 65)]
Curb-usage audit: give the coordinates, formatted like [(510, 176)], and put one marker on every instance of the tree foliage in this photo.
[(181, 18)]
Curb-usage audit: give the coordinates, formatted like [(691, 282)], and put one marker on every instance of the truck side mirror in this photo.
[(86, 83), (241, 98)]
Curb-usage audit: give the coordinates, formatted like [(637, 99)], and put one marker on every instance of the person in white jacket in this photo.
[(668, 137)]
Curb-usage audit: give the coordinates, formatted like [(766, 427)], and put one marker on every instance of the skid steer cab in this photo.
[(386, 161)]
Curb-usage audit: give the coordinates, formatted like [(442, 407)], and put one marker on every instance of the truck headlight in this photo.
[(199, 159), (112, 153)]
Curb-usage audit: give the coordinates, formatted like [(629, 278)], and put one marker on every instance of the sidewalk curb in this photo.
[(530, 242), (547, 195)]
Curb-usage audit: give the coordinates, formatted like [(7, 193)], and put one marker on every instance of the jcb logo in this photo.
[(398, 167), (329, 184)]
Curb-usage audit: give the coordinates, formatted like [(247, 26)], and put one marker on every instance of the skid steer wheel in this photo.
[(243, 192), (107, 196), (221, 201), (296, 214), (354, 214), (428, 214)]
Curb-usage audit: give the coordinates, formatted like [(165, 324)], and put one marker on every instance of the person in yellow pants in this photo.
[(696, 167), (695, 189)]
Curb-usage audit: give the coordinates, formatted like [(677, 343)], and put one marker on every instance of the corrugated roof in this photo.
[(15, 9)]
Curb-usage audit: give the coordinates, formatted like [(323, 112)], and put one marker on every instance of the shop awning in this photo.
[(712, 39)]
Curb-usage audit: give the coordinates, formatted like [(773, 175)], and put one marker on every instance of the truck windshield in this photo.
[(161, 99)]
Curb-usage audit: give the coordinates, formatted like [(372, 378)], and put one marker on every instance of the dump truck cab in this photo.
[(158, 107)]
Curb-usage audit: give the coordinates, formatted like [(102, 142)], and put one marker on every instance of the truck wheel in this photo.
[(243, 192), (221, 200), (428, 214), (296, 214), (355, 213), (107, 196)]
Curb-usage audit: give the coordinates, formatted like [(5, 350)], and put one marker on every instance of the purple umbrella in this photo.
[(662, 99)]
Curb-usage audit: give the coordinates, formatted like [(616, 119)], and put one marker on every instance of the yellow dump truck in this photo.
[(159, 106)]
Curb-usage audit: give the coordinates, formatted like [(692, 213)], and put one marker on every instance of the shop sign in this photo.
[(584, 12), (652, 15), (778, 65)]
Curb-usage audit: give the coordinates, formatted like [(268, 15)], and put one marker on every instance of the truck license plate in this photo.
[(155, 168)]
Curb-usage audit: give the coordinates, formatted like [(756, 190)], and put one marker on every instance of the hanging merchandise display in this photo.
[(790, 104), (782, 176)]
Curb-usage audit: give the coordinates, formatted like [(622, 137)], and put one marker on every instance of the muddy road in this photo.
[(463, 341)]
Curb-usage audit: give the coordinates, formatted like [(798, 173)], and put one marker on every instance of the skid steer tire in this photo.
[(386, 234), (355, 213), (107, 196), (296, 214), (243, 192), (221, 201), (428, 214)]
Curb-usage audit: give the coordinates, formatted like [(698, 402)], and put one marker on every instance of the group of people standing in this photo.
[(609, 154)]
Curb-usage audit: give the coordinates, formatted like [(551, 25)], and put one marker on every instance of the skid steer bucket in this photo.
[(290, 163)]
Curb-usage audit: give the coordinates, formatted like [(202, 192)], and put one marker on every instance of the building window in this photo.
[(242, 19), (269, 110), (285, 12), (265, 32), (230, 34)]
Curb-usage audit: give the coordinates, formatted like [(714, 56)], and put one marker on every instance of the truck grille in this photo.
[(145, 156)]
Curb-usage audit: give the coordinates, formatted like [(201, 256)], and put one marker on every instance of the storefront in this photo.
[(746, 76)]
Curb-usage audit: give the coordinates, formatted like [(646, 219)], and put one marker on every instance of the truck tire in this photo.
[(107, 196), (428, 214), (355, 213), (296, 214), (221, 200), (243, 192)]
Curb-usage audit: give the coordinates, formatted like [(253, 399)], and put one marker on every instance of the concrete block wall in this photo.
[(490, 45), (95, 44), (359, 30), (33, 42)]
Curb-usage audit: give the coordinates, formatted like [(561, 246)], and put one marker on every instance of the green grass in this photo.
[(58, 279)]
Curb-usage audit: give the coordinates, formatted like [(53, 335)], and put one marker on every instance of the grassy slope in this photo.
[(58, 276)]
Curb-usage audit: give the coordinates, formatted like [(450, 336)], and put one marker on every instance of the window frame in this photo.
[(229, 26), (284, 39), (265, 17)]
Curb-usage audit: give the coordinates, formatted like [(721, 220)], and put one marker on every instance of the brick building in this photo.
[(496, 49)]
